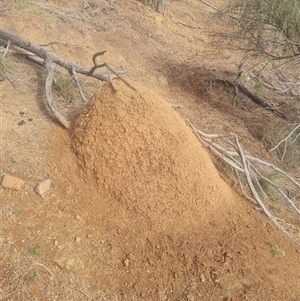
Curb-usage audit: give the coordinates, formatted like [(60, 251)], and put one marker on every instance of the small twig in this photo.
[(210, 5), (239, 179), (35, 263), (48, 88), (277, 188), (285, 141), (6, 50), (49, 43), (208, 135), (75, 78), (81, 291)]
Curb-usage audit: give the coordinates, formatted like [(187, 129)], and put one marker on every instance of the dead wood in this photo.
[(48, 60), (238, 86), (249, 174)]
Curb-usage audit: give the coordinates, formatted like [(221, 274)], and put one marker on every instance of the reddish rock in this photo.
[(11, 182), (43, 187)]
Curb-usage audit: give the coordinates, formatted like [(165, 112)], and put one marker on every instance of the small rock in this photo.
[(55, 243), (202, 278), (43, 187), (190, 297), (70, 264), (65, 263), (77, 239), (21, 122), (61, 263), (89, 235), (126, 262), (11, 182), (77, 217)]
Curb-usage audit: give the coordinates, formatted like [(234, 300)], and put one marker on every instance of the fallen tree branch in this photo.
[(253, 190), (48, 59), (244, 167), (238, 86)]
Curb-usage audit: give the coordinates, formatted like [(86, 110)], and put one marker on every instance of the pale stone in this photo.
[(43, 187), (11, 182), (70, 264), (126, 262)]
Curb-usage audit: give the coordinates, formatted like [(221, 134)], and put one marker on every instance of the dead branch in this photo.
[(244, 167), (285, 141), (210, 5), (48, 59), (238, 86), (253, 190)]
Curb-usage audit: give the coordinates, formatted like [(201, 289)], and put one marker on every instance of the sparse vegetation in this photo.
[(274, 249), (224, 289), (31, 276), (37, 251), (269, 189), (66, 88), (18, 209), (259, 87)]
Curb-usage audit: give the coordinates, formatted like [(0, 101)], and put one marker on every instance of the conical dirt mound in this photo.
[(138, 151)]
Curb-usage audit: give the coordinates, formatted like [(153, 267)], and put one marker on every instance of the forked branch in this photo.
[(48, 59)]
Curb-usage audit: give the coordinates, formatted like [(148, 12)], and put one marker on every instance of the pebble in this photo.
[(202, 278), (77, 217), (126, 262), (77, 239), (60, 263), (70, 264), (12, 182), (21, 122), (43, 187), (190, 297), (89, 235), (65, 263), (55, 243)]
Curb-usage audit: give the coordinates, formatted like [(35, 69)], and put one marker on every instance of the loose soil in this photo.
[(137, 210)]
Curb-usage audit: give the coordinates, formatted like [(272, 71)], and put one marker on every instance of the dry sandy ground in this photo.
[(136, 210)]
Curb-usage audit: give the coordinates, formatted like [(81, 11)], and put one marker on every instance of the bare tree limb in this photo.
[(48, 59), (48, 87), (253, 190), (243, 166)]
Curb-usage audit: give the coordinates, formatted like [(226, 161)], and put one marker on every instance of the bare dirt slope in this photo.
[(136, 210)]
